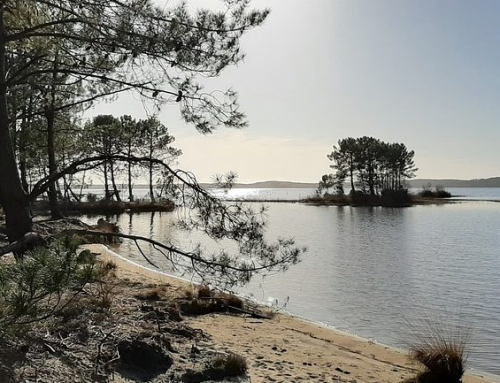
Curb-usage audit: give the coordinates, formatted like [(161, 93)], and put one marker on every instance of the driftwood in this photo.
[(223, 302)]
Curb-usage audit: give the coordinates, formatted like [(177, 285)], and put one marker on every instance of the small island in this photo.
[(376, 172)]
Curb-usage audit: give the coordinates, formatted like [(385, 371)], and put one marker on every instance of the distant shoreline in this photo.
[(417, 183)]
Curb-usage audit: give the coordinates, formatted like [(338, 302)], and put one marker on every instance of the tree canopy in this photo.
[(369, 164)]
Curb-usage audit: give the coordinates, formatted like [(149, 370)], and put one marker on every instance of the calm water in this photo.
[(285, 194), (291, 194), (379, 272)]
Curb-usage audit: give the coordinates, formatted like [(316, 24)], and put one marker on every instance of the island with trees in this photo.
[(375, 171)]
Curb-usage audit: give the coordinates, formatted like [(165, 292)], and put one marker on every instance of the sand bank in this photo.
[(289, 349)]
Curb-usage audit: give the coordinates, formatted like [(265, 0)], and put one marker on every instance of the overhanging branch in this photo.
[(192, 257)]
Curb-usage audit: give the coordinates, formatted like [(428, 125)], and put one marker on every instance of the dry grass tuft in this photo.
[(109, 265), (198, 307), (104, 287), (188, 294), (150, 295), (232, 300), (232, 364), (204, 291), (444, 360), (443, 354)]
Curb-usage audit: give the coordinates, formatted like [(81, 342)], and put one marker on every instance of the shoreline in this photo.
[(333, 353)]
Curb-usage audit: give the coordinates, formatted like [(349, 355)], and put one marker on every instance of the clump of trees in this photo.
[(370, 166), (107, 135), (102, 137)]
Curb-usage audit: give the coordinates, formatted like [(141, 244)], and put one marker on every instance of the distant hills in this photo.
[(277, 184), (493, 182), (271, 185)]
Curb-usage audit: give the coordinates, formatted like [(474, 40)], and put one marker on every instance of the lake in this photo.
[(380, 273), (294, 194)]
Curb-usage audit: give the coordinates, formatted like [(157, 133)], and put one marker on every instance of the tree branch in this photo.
[(26, 32), (192, 257), (42, 185)]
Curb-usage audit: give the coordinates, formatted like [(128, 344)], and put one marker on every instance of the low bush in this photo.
[(395, 197), (199, 307), (204, 291), (443, 357), (232, 300), (46, 282), (438, 192), (232, 364), (150, 295), (91, 197)]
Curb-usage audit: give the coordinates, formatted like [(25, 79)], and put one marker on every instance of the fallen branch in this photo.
[(221, 301)]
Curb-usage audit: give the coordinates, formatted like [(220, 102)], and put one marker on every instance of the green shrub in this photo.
[(44, 283)]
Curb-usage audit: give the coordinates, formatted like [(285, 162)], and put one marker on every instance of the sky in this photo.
[(422, 72)]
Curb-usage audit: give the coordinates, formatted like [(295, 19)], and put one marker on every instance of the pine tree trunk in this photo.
[(52, 192), (73, 194), (80, 193), (113, 182), (50, 116), (15, 202), (351, 173), (22, 143), (22, 157), (129, 169), (151, 191), (107, 194)]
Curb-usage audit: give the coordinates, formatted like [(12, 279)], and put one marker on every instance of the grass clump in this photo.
[(443, 355), (232, 300), (150, 295), (198, 307), (188, 294), (231, 365), (204, 291)]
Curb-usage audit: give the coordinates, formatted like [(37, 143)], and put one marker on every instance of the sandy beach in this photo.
[(286, 348)]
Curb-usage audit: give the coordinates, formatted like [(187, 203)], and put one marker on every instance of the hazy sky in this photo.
[(422, 72)]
